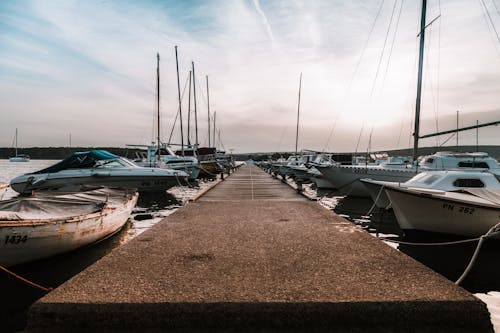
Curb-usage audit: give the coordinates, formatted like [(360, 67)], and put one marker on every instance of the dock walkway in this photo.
[(253, 255)]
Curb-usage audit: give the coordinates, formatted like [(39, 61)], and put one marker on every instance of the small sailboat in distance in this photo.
[(18, 157)]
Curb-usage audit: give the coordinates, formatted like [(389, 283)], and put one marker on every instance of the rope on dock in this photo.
[(20, 278)]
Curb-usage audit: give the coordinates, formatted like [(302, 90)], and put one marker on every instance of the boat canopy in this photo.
[(32, 208), (79, 160), (492, 195)]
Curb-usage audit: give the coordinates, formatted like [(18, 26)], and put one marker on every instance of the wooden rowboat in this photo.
[(44, 225)]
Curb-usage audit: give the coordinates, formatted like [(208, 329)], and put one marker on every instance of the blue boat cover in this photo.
[(79, 160)]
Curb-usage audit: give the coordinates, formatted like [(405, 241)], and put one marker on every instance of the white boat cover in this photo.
[(492, 195), (44, 206)]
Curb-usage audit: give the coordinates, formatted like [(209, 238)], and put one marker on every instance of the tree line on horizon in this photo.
[(59, 153)]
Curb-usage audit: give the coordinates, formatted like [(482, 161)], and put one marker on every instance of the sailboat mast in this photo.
[(195, 111), (298, 113), (189, 113), (416, 132), (16, 142), (158, 100), (179, 97), (215, 145), (208, 109)]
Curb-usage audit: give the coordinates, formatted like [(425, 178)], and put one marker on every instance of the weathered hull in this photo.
[(209, 169), (28, 240)]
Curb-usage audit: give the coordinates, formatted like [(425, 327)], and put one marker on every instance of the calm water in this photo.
[(446, 260)]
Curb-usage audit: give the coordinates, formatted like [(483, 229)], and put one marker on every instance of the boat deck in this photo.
[(253, 255)]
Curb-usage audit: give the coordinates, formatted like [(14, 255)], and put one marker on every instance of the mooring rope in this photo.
[(20, 278), (376, 200), (493, 231)]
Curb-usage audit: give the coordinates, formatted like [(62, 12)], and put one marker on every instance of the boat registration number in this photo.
[(461, 209), (15, 239)]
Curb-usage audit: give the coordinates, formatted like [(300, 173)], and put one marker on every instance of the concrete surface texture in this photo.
[(258, 265)]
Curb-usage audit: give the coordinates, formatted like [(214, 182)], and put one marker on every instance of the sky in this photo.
[(86, 71)]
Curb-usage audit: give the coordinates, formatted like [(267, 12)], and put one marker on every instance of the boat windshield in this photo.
[(116, 163), (425, 178)]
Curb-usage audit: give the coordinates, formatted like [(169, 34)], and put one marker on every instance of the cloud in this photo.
[(89, 68)]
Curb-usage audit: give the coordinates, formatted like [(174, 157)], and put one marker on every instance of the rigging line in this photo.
[(327, 144), (400, 132), (438, 74), (177, 114), (428, 78), (491, 21), (445, 141), (281, 138), (201, 91), (383, 49), (359, 137), (365, 46), (496, 7), (490, 31), (392, 44), (356, 68)]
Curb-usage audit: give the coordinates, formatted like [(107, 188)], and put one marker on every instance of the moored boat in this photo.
[(471, 212), (167, 159), (97, 168), (18, 157), (44, 225), (346, 178), (443, 180)]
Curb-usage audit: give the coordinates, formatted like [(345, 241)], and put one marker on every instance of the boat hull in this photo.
[(29, 240), (346, 179), (209, 169), (19, 159), (425, 212), (74, 180)]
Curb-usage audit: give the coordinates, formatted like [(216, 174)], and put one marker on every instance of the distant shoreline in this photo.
[(58, 153)]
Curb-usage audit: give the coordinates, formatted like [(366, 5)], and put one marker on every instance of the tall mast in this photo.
[(16, 141), (416, 132), (215, 145), (195, 112), (208, 109), (158, 100), (298, 110), (179, 95), (189, 112)]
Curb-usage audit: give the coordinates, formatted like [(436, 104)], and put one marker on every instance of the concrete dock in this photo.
[(253, 255)]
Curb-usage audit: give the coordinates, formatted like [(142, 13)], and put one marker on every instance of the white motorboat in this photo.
[(443, 180), (167, 159), (322, 159), (97, 168), (470, 212), (44, 225), (346, 178)]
